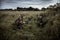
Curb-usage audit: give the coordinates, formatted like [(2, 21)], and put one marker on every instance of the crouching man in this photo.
[(19, 23)]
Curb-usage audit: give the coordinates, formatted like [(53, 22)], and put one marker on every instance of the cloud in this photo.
[(46, 0), (26, 3), (59, 1), (25, 0)]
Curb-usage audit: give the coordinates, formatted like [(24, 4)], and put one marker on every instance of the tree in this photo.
[(30, 8), (43, 9), (19, 8)]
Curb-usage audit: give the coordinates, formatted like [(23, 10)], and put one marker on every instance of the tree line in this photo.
[(21, 9)]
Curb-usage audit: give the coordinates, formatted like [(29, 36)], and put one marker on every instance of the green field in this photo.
[(30, 30), (8, 17)]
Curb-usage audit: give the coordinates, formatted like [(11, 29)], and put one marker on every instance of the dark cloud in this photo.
[(26, 3), (46, 0), (59, 0), (26, 0), (14, 1), (8, 1)]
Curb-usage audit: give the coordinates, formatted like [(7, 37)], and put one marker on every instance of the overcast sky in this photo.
[(26, 3)]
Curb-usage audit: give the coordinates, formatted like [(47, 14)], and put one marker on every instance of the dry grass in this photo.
[(29, 31)]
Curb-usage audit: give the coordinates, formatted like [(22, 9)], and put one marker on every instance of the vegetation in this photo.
[(21, 9), (30, 25)]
